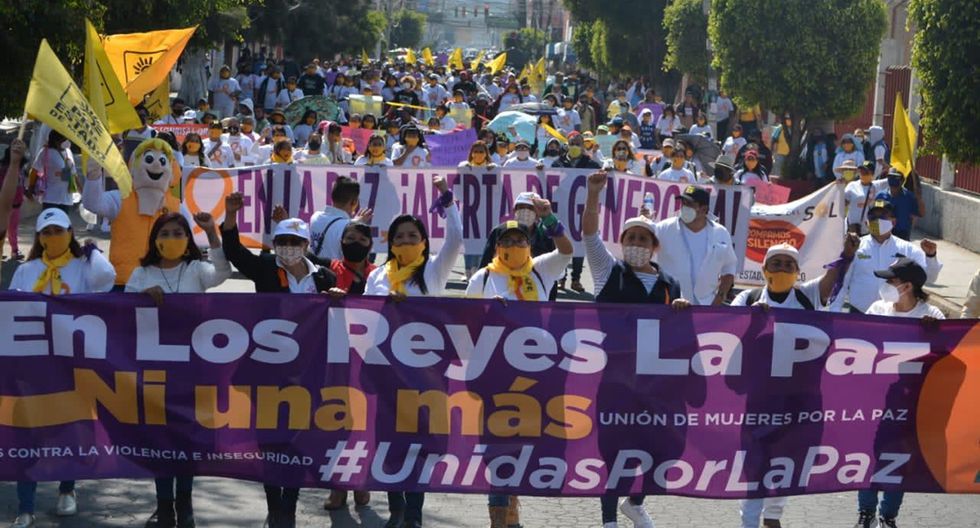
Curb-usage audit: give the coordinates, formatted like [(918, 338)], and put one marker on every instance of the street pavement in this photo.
[(230, 503)]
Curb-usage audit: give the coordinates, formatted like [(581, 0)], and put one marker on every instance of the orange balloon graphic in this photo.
[(948, 418)]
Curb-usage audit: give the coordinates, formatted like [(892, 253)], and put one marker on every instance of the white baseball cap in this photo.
[(53, 216), (526, 198), (292, 227), (641, 221), (783, 249)]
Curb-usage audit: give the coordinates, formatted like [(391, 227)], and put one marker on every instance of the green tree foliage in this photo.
[(805, 58), (627, 36), (944, 55), (687, 36), (25, 23), (408, 28), (524, 45), (317, 28), (582, 44)]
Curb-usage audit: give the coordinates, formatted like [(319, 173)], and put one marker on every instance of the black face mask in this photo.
[(355, 251), (314, 145)]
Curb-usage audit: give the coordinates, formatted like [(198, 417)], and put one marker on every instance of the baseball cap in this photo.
[(783, 249), (641, 221), (526, 198), (521, 143), (53, 217), (292, 227), (668, 143), (882, 202), (616, 121), (905, 269), (725, 161), (867, 166), (513, 225), (848, 165), (695, 194)]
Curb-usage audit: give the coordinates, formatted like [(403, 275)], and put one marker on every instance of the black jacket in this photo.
[(263, 269), (583, 162), (623, 286)]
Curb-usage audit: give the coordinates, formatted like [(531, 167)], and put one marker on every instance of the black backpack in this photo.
[(756, 293)]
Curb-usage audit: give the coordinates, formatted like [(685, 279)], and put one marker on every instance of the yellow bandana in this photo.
[(52, 273), (520, 280), (276, 158), (398, 275)]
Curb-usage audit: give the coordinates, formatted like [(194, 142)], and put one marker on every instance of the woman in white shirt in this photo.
[(479, 159), (522, 157), (374, 155), (303, 129), (53, 175), (193, 154), (174, 264), (58, 265), (667, 124), (410, 150)]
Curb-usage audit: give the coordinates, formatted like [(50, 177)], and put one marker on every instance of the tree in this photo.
[(627, 36), (524, 45), (63, 24), (807, 59), (944, 58), (408, 28), (318, 27), (582, 44), (687, 37)]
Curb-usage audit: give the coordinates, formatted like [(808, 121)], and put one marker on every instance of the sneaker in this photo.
[(24, 520), (866, 519), (635, 513), (67, 505), (887, 522), (577, 287)]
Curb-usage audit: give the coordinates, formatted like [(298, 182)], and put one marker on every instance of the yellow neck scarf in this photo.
[(52, 272), (520, 280), (276, 158), (398, 275)]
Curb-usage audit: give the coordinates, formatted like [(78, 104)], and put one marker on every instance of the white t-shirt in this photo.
[(241, 147), (568, 120), (514, 163), (363, 161), (732, 145), (52, 163), (80, 275), (677, 175), (219, 157), (922, 309), (286, 97), (666, 126), (224, 104), (188, 277), (700, 130), (550, 267), (810, 289), (416, 159), (856, 194)]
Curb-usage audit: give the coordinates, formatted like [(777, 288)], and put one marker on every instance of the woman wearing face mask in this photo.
[(406, 96), (552, 152), (541, 134), (174, 264), (847, 152), (52, 179), (501, 150), (411, 271), (623, 160), (752, 172), (901, 295), (374, 154), (57, 265), (635, 278), (287, 270), (522, 157), (410, 150), (478, 160), (193, 152), (282, 152), (304, 128)]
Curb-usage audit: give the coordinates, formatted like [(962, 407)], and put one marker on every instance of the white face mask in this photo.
[(289, 255), (406, 86), (525, 217), (688, 214), (888, 293), (523, 154), (637, 256), (880, 227)]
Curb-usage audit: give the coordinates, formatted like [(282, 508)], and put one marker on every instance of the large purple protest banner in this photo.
[(471, 396), (485, 199), (448, 150)]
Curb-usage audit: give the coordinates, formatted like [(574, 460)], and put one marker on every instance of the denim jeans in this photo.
[(891, 501), (609, 503), (165, 487), (408, 502), (27, 490), (282, 500)]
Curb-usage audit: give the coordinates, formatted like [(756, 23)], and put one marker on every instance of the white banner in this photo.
[(813, 224), (485, 199)]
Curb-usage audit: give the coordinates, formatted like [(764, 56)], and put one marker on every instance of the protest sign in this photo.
[(181, 131), (449, 149), (767, 193), (363, 104), (359, 136), (605, 142), (471, 396), (657, 109), (813, 224), (462, 116), (485, 199)]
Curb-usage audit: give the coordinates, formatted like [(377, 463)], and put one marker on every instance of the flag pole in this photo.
[(23, 127)]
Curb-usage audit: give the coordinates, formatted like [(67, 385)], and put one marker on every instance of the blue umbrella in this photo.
[(526, 125)]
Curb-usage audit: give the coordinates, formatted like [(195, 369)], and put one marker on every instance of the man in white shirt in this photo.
[(327, 226), (878, 250), (677, 171), (242, 146), (697, 251), (225, 91)]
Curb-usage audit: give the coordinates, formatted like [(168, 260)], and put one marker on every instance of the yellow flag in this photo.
[(903, 139), (525, 73), (477, 61), (555, 133), (456, 59), (102, 87), (410, 57), (498, 64), (540, 70), (364, 57), (428, 58), (157, 103), (143, 60), (55, 100)]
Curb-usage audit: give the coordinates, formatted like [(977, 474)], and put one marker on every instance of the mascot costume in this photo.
[(156, 184)]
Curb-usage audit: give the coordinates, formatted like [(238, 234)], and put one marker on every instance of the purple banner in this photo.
[(470, 396), (449, 149)]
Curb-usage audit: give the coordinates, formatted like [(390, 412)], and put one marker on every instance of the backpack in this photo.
[(756, 293)]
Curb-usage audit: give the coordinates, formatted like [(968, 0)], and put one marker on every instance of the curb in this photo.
[(949, 308)]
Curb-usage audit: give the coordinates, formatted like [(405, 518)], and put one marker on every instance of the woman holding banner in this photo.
[(174, 264), (478, 159), (192, 150), (56, 265), (374, 154), (623, 159), (410, 150), (411, 271)]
